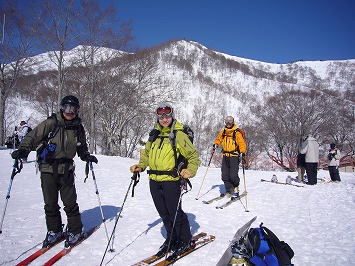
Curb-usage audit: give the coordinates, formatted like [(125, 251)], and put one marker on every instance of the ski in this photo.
[(280, 183), (38, 253), (233, 199), (240, 234), (65, 251), (215, 199), (198, 244), (155, 258)]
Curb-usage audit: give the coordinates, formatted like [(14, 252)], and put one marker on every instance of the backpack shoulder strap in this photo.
[(55, 130), (153, 134)]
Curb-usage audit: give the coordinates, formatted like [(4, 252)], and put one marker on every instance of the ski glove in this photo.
[(214, 146), (242, 156), (18, 154), (186, 173), (90, 158), (135, 168)]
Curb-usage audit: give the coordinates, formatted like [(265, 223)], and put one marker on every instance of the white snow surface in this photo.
[(316, 221)]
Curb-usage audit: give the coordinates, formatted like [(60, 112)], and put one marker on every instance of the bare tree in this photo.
[(130, 92), (100, 28), (59, 32), (16, 45), (287, 117)]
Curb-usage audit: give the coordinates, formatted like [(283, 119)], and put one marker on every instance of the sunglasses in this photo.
[(70, 109), (164, 111)]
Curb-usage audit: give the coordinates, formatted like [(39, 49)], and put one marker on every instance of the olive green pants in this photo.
[(52, 187)]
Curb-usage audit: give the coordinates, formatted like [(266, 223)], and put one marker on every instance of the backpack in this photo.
[(266, 249), (28, 129), (180, 162), (242, 132)]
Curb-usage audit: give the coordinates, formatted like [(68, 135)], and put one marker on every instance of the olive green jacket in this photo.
[(69, 139), (159, 154)]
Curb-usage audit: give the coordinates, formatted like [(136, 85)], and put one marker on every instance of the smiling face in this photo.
[(165, 121)]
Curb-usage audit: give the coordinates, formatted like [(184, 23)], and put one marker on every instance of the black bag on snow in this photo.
[(266, 249)]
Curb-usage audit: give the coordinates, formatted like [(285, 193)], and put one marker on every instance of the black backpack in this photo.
[(266, 249)]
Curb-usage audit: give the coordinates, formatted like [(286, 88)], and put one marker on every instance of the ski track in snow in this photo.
[(317, 221)]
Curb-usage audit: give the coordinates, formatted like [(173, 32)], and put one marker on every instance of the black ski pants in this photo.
[(312, 170), (166, 197), (230, 168), (334, 173), (51, 188)]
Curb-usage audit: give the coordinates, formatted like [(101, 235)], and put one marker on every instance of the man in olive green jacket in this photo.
[(165, 182), (57, 140)]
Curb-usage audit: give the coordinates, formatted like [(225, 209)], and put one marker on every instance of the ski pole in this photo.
[(183, 191), (208, 166), (245, 185), (89, 163), (16, 168), (135, 179)]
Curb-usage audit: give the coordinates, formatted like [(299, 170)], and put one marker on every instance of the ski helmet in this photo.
[(229, 120), (164, 109), (70, 99)]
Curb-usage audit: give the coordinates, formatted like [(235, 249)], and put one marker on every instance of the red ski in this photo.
[(38, 253), (65, 251)]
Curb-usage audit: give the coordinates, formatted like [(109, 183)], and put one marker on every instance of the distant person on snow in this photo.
[(233, 145), (165, 181), (310, 148), (333, 163), (60, 137), (22, 131), (301, 167)]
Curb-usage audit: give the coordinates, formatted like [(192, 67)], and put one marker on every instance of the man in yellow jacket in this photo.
[(164, 176), (233, 145)]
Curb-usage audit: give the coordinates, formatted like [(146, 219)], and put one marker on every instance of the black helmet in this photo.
[(332, 145), (70, 99)]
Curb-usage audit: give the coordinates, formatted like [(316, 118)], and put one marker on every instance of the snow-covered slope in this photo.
[(317, 221)]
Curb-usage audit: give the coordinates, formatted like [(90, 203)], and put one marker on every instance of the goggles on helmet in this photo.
[(69, 109), (164, 111)]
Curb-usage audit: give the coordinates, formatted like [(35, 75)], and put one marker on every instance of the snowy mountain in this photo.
[(208, 77), (316, 221)]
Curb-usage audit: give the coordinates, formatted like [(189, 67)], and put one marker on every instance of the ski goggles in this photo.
[(229, 121), (164, 111), (70, 109)]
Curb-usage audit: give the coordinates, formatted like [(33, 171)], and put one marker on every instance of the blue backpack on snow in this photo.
[(266, 249)]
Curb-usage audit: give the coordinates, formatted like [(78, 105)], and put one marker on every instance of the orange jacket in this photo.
[(229, 146)]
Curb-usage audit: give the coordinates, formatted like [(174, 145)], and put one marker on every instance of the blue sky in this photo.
[(275, 31)]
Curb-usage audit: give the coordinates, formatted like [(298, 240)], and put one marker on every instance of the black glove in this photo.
[(214, 146), (18, 154), (90, 158), (242, 155)]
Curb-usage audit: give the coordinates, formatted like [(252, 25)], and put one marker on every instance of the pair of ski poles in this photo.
[(17, 167), (245, 188)]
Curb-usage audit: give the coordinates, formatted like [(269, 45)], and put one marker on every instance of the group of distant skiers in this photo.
[(307, 161)]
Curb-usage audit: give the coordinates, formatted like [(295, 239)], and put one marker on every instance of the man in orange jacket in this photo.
[(233, 145)]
